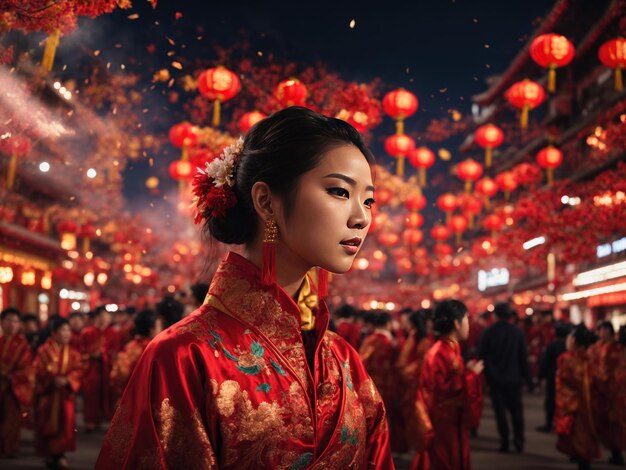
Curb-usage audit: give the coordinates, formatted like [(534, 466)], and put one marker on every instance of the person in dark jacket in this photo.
[(503, 348), (547, 371)]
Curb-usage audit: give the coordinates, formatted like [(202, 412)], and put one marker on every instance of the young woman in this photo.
[(450, 395), (253, 379), (573, 420)]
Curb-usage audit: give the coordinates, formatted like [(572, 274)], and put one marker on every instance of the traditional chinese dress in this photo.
[(608, 368), (573, 420), (449, 404), (16, 390), (55, 408), (125, 364), (239, 385)]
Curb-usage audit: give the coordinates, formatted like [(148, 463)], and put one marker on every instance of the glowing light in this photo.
[(91, 173), (378, 255), (583, 294), (75, 305), (390, 306), (373, 304), (426, 303), (137, 279), (89, 279), (171, 289), (102, 278), (601, 274), (57, 85), (128, 268), (486, 245), (89, 255), (44, 167), (46, 281), (73, 254), (362, 264), (28, 278), (529, 311), (490, 308), (565, 200), (111, 308), (6, 274), (534, 242)]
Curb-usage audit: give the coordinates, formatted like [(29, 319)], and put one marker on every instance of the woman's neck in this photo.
[(450, 338)]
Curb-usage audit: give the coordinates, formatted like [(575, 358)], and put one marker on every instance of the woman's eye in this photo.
[(370, 202), (338, 192)]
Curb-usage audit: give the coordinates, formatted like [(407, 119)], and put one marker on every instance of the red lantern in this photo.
[(412, 236), (357, 119), (400, 104), (88, 232), (525, 95), (493, 223), (525, 173), (458, 224), (440, 233), (184, 136), (291, 92), (507, 183), (399, 146), (250, 119), (489, 137), (181, 170), (487, 188), (388, 239), (550, 158), (551, 51), (383, 196), (15, 146), (471, 206), (447, 203), (443, 249), (613, 54), (200, 157), (415, 202), (422, 158), (218, 84), (67, 230), (414, 220), (469, 170)]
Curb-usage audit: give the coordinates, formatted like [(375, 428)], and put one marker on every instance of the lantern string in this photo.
[(619, 86), (11, 170), (400, 165), (216, 113), (49, 51), (552, 78)]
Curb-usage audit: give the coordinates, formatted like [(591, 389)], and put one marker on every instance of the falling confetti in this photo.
[(444, 154), (352, 23), (178, 15), (177, 65), (134, 16)]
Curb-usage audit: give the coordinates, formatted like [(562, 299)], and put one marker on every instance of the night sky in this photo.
[(442, 50)]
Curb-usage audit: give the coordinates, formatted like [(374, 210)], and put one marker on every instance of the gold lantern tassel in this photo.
[(400, 166), (185, 153), (619, 85), (551, 265), (507, 195), (468, 186), (487, 203), (49, 51), (216, 113), (86, 245), (524, 117), (422, 178), (458, 239), (488, 156), (448, 216), (400, 127), (552, 78), (550, 176), (471, 221), (11, 171)]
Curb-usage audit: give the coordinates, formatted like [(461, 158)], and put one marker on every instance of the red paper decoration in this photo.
[(525, 95), (489, 137), (550, 158), (399, 146), (507, 183), (400, 104), (551, 51), (250, 119), (415, 202), (422, 158), (184, 136), (218, 84), (487, 188), (492, 223), (291, 92), (613, 54), (412, 236), (458, 224), (414, 220), (469, 170), (471, 206)]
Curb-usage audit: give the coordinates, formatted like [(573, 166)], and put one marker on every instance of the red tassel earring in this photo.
[(322, 283), (268, 261)]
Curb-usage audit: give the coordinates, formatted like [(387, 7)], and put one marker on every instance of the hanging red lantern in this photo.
[(291, 92), (487, 188), (471, 206), (447, 203), (552, 51), (493, 223), (218, 84), (399, 146), (489, 137), (550, 158), (526, 174), (400, 104), (507, 183), (199, 157), (414, 220), (440, 233), (16, 146), (412, 236), (469, 170), (388, 239), (443, 249), (67, 230), (415, 201), (184, 136), (525, 95), (87, 232), (250, 119), (357, 119), (422, 158), (181, 171), (613, 54), (458, 225)]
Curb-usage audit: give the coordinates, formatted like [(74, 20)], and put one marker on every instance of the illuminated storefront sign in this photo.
[(494, 278), (607, 249)]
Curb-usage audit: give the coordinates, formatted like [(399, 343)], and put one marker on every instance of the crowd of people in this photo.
[(43, 368)]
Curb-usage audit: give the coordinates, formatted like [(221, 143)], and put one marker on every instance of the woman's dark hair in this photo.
[(57, 322), (446, 312), (346, 311), (621, 337), (144, 322), (171, 310), (382, 319), (10, 311), (418, 322), (582, 336), (606, 325), (278, 150)]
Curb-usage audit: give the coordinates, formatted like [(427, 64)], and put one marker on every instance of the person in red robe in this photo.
[(449, 399), (346, 326), (253, 378), (97, 343), (147, 326), (58, 371), (409, 368), (573, 419), (607, 363), (77, 323), (16, 381)]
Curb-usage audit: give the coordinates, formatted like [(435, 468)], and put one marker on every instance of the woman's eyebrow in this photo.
[(347, 179)]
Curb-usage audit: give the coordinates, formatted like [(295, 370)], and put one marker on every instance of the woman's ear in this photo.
[(263, 201)]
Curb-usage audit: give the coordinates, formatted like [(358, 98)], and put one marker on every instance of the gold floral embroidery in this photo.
[(184, 439), (120, 440), (372, 401)]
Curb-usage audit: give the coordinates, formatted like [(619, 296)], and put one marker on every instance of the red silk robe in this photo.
[(449, 404), (230, 387), (16, 390), (55, 408), (608, 367), (125, 364), (409, 367), (573, 420), (349, 331)]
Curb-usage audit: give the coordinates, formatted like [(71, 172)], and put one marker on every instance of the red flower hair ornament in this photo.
[(213, 186)]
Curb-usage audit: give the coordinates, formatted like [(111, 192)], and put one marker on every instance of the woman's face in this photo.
[(462, 328), (331, 212)]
